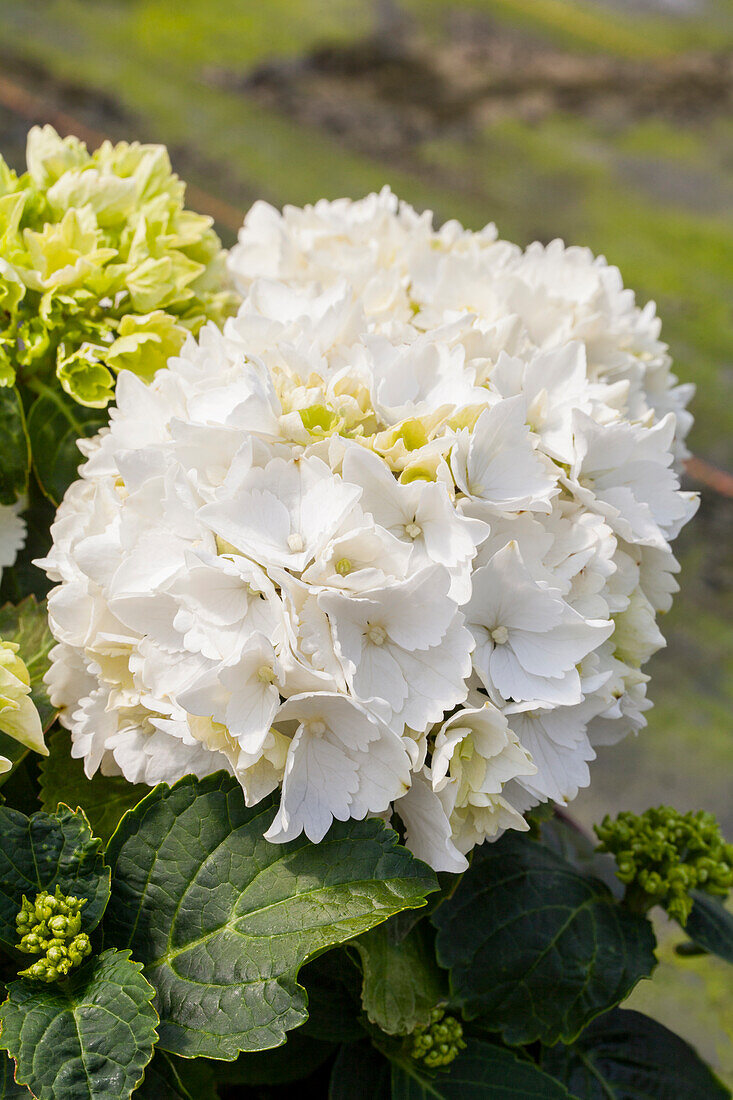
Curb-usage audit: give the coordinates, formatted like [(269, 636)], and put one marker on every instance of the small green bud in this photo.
[(51, 926), (439, 1042), (661, 855)]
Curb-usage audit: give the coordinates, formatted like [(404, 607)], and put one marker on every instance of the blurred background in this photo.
[(606, 122)]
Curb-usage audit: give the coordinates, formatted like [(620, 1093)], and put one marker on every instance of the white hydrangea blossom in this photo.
[(393, 542)]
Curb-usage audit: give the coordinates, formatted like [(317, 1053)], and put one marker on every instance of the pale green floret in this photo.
[(101, 267), (439, 1042), (51, 926), (662, 855)]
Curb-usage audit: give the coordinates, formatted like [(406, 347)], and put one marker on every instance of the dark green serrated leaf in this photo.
[(9, 1089), (171, 1078), (45, 850), (87, 1038), (103, 798), (297, 1058), (534, 948), (223, 920), (26, 624), (481, 1071), (14, 448), (25, 578), (561, 835), (55, 422), (625, 1055), (710, 925), (359, 1073), (402, 981), (333, 984)]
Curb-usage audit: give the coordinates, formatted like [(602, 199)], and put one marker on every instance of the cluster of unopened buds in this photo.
[(439, 1042), (663, 854), (51, 926)]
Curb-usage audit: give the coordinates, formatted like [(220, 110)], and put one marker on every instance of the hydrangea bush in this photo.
[(349, 584)]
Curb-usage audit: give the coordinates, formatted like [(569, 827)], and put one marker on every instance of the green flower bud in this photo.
[(662, 855), (50, 926), (439, 1042)]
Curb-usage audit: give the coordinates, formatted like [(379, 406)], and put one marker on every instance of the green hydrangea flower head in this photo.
[(662, 855), (101, 266), (51, 926), (439, 1042)]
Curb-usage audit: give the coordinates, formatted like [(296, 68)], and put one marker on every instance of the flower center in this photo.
[(500, 635), (413, 530), (295, 542), (266, 675), (343, 567), (317, 728), (377, 635)]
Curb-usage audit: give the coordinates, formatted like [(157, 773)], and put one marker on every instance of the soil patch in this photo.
[(397, 89)]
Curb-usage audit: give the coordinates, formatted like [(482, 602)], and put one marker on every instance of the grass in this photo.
[(590, 26)]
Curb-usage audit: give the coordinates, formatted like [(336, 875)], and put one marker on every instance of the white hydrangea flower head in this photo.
[(394, 542)]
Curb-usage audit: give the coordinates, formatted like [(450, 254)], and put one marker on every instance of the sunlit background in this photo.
[(606, 122)]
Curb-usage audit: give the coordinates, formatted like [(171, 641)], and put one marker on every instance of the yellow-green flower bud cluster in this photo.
[(101, 267), (662, 855), (51, 926), (439, 1042)]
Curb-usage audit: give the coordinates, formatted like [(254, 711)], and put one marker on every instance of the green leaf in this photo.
[(27, 624), (45, 850), (171, 1078), (562, 836), (402, 982), (9, 1089), (15, 456), (359, 1073), (710, 925), (55, 422), (87, 1038), (625, 1055), (104, 798), (297, 1058), (534, 948), (223, 919), (481, 1071)]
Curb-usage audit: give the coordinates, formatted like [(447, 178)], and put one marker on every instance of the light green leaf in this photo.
[(481, 1071), (223, 919), (103, 798), (15, 455), (171, 1078), (87, 1038), (710, 925), (626, 1056), (9, 1089), (534, 948), (402, 982), (42, 851), (55, 422)]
